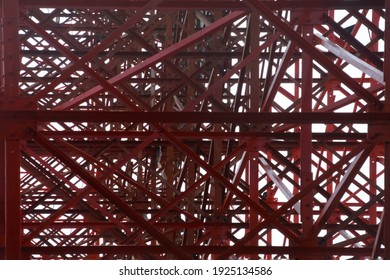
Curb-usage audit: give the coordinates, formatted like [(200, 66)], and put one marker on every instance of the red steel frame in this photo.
[(194, 129)]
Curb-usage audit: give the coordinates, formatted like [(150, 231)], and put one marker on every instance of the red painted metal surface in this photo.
[(194, 129)]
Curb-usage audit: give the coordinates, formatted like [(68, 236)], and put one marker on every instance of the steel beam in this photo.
[(113, 198), (194, 129), (10, 221), (2, 196), (196, 117), (136, 250), (271, 92), (156, 58), (305, 142), (297, 197), (351, 59), (9, 48), (212, 5), (13, 229), (97, 49), (340, 189), (386, 226), (363, 50), (314, 53)]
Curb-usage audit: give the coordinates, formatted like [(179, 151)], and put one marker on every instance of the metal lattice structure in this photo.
[(194, 129)]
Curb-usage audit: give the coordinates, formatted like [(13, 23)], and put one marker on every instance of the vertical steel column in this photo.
[(169, 175), (253, 191), (2, 145), (254, 71), (306, 142), (191, 239), (374, 158), (12, 200), (373, 176), (10, 43), (254, 106), (10, 148), (2, 197), (386, 236), (217, 192)]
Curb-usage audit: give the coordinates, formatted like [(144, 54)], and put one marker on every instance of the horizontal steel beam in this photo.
[(136, 250), (175, 225), (194, 117), (182, 54), (212, 5), (146, 54), (193, 135), (285, 145)]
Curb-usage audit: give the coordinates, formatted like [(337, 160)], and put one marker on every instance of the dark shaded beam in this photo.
[(197, 201), (175, 225), (146, 54), (135, 250), (203, 135), (102, 225), (40, 80), (350, 39), (211, 5), (138, 54), (194, 117), (280, 145)]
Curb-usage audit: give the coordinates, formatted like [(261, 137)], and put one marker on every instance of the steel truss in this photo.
[(194, 129)]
